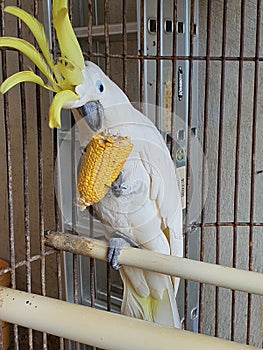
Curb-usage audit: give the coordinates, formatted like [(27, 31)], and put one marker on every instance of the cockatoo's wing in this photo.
[(154, 154), (164, 189)]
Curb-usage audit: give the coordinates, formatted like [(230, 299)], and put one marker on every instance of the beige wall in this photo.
[(228, 171)]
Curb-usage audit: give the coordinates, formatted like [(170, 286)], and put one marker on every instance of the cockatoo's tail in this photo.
[(60, 76), (101, 165)]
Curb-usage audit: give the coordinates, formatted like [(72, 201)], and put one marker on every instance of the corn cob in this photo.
[(101, 165)]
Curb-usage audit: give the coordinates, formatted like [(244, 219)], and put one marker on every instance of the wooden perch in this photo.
[(217, 275)]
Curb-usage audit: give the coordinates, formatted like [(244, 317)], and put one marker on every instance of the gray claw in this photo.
[(115, 247), (118, 187)]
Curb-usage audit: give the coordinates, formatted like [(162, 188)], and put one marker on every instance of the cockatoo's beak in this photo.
[(93, 113), (62, 74)]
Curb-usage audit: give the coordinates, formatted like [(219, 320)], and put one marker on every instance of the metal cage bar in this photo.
[(9, 172), (220, 150), (205, 128), (237, 163), (27, 231), (40, 189), (253, 160)]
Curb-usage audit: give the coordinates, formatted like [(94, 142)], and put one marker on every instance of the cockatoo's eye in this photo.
[(100, 86)]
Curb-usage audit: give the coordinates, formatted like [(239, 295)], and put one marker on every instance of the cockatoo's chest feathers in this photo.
[(127, 195)]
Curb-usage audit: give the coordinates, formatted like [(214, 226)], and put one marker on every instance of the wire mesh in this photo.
[(229, 227)]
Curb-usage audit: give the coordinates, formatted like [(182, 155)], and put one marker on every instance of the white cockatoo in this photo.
[(143, 206)]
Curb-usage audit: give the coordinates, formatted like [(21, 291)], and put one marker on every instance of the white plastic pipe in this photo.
[(100, 328), (218, 275)]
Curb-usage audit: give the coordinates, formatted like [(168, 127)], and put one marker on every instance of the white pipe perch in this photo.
[(217, 275), (100, 328)]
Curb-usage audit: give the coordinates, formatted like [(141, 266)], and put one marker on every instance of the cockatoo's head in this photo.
[(76, 84), (61, 74), (97, 92)]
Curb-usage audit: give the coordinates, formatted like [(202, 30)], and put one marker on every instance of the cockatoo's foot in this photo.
[(118, 187), (115, 246)]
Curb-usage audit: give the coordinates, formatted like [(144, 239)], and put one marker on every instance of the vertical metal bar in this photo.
[(74, 216), (1, 337), (174, 76), (92, 261), (108, 273), (92, 265), (74, 211), (220, 153), (91, 221), (253, 157), (25, 178), (158, 67), (107, 70), (90, 52), (70, 7), (59, 255), (56, 180), (9, 172), (55, 141), (73, 188), (124, 43), (141, 53), (205, 134), (9, 168), (59, 258), (237, 155), (188, 163), (26, 198), (40, 205), (40, 188), (106, 36), (25, 165)]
